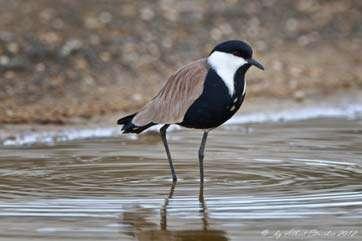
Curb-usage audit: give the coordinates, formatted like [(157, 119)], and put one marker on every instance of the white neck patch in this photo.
[(226, 65)]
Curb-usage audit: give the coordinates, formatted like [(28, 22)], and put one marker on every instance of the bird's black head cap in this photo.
[(235, 47)]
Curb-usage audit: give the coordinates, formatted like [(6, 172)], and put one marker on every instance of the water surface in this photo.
[(291, 181)]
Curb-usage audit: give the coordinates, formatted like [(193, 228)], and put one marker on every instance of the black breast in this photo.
[(215, 105)]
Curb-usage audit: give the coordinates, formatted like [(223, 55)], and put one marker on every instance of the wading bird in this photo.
[(201, 95)]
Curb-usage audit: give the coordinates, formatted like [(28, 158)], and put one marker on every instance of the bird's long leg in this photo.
[(201, 156), (164, 140)]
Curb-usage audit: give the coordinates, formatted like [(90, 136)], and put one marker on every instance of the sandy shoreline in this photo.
[(343, 104)]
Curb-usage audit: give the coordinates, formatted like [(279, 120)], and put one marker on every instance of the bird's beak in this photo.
[(255, 63)]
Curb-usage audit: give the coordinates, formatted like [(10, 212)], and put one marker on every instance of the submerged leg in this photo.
[(201, 156), (163, 211), (203, 207), (164, 140)]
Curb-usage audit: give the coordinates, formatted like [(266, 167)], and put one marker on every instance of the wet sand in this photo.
[(263, 182), (342, 104)]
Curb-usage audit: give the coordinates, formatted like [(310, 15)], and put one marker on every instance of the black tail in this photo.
[(129, 127)]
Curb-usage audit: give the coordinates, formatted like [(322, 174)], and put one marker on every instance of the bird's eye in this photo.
[(237, 53)]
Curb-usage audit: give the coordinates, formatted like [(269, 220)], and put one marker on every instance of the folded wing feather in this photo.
[(180, 91)]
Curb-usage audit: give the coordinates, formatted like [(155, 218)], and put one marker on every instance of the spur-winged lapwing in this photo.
[(201, 95)]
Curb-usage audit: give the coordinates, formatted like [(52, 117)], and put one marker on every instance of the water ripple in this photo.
[(271, 177)]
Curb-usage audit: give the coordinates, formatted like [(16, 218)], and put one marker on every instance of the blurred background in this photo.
[(63, 60)]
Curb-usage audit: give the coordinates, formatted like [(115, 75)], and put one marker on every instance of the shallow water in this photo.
[(280, 181)]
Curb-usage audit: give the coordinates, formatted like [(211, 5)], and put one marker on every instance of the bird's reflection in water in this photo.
[(143, 228)]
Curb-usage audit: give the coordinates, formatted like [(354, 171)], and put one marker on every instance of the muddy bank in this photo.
[(63, 60), (255, 110)]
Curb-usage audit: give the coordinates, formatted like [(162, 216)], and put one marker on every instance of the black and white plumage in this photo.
[(201, 95)]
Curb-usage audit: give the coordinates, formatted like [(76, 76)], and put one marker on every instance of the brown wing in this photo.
[(176, 96)]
